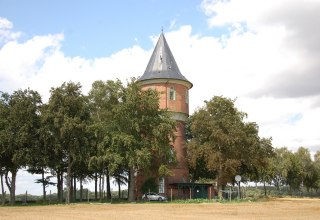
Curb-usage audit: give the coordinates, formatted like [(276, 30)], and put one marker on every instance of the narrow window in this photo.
[(172, 94), (172, 154), (161, 184)]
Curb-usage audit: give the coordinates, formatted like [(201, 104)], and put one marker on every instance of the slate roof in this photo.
[(162, 64)]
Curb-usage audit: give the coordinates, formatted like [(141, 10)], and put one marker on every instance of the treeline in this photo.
[(117, 129), (223, 144), (113, 131)]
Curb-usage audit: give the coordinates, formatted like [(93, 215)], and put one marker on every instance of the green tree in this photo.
[(262, 163), (104, 97), (68, 114), (223, 142), (304, 157), (316, 165), (4, 159), (295, 173), (42, 154), (143, 132), (20, 115), (279, 166)]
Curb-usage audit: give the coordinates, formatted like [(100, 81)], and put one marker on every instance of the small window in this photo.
[(172, 154), (172, 94), (187, 96), (161, 184)]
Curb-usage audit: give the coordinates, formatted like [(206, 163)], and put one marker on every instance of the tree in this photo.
[(262, 166), (68, 114), (142, 132), (42, 154), (20, 133), (316, 165), (304, 158), (223, 141), (104, 98), (120, 178)]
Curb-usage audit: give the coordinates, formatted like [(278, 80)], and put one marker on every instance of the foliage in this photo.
[(68, 116), (223, 143), (103, 99), (143, 131), (149, 185), (19, 133)]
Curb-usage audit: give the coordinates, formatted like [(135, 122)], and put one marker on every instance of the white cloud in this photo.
[(40, 64), (6, 33)]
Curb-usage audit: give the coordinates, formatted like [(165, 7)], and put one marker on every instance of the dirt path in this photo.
[(273, 209)]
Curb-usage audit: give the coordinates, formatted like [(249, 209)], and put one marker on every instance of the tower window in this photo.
[(161, 184), (172, 154), (172, 94)]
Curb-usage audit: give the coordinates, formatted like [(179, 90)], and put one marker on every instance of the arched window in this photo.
[(172, 93)]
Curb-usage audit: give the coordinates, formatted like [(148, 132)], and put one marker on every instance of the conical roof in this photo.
[(162, 64)]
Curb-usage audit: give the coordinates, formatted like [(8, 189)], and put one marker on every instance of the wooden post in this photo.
[(88, 196), (190, 193), (230, 194), (210, 193), (26, 198), (171, 194), (50, 197)]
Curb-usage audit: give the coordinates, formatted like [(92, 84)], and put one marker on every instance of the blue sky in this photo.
[(100, 28), (263, 53)]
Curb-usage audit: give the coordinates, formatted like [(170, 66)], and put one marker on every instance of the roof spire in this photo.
[(162, 64), (161, 29)]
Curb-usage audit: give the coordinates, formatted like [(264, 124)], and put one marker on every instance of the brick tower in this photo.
[(163, 74)]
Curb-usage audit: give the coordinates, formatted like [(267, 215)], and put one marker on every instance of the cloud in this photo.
[(289, 28), (6, 33), (20, 62), (40, 64)]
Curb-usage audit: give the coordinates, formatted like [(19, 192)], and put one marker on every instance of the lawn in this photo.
[(280, 208)]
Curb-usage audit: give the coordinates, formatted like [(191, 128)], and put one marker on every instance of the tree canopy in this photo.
[(224, 143)]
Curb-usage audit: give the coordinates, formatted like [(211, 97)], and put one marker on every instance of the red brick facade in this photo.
[(179, 106)]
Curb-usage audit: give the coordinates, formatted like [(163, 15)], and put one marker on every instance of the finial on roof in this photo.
[(161, 29)]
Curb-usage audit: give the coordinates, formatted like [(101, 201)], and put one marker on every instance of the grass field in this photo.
[(281, 208)]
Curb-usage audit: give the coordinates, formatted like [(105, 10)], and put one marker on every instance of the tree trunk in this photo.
[(68, 181), (96, 186), (59, 185), (101, 188), (74, 189), (108, 185), (131, 185), (119, 189), (43, 186), (12, 186), (219, 184), (265, 188), (71, 189), (81, 189), (2, 191)]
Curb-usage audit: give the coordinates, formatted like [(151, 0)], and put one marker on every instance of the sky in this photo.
[(264, 54)]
